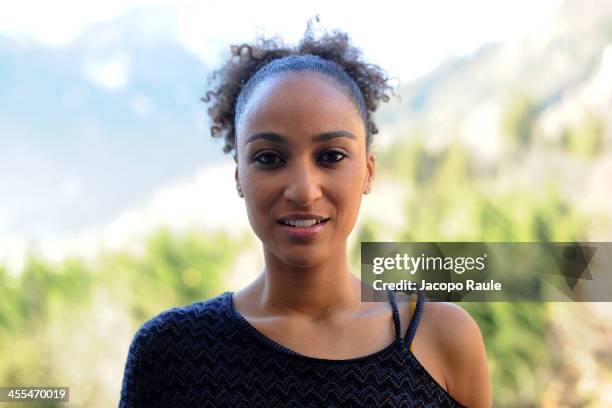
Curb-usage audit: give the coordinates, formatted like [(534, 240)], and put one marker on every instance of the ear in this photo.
[(370, 170), (238, 186)]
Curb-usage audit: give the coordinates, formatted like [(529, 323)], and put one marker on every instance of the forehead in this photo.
[(305, 100)]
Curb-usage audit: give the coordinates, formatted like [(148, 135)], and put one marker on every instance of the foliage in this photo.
[(61, 323), (585, 138), (518, 120)]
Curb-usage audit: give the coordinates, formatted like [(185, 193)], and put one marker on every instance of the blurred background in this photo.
[(116, 204)]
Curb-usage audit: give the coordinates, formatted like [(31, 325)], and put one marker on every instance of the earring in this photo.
[(239, 190)]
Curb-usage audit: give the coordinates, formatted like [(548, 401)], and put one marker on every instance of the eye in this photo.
[(332, 156), (268, 159)]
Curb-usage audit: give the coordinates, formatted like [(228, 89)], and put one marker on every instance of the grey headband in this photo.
[(298, 63)]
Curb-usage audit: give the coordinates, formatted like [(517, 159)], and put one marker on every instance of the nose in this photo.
[(303, 186)]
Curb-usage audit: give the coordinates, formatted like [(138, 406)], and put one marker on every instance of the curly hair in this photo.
[(227, 82)]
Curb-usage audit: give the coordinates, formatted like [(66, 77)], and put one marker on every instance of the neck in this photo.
[(314, 291)]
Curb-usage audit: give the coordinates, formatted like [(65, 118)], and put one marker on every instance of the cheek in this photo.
[(258, 215), (356, 176), (258, 186), (259, 195), (346, 191)]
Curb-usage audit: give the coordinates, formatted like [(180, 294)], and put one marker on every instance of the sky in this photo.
[(429, 31)]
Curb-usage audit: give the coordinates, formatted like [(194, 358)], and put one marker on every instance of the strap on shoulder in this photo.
[(416, 311), (396, 316)]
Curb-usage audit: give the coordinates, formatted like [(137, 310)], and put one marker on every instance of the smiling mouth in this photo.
[(303, 223)]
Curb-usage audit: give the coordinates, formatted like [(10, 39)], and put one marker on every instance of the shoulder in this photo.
[(173, 324), (158, 348), (451, 327), (457, 339), (173, 332)]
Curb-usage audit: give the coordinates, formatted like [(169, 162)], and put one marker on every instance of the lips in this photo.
[(302, 220), (302, 226), (302, 216), (302, 223)]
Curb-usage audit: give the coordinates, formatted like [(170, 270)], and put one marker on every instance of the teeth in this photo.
[(302, 223)]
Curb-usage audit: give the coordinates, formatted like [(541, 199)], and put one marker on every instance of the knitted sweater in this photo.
[(206, 354)]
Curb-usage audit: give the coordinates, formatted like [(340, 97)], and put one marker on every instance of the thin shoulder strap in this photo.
[(416, 311), (396, 316)]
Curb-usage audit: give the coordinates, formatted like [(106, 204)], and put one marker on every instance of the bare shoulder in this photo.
[(456, 338), (451, 327)]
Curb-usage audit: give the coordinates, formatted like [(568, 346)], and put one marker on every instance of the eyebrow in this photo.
[(321, 137)]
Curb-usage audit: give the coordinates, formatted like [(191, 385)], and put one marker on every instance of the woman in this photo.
[(299, 121)]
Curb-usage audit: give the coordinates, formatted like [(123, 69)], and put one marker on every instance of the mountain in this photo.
[(563, 55), (93, 127), (560, 76)]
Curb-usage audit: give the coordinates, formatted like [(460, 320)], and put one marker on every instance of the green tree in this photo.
[(518, 120)]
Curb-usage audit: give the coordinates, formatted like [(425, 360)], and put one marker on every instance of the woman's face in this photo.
[(301, 158)]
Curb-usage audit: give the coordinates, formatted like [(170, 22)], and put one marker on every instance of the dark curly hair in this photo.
[(227, 82)]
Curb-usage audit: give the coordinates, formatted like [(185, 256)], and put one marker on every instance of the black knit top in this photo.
[(207, 354)]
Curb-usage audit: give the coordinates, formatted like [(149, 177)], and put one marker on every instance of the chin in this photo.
[(302, 257)]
